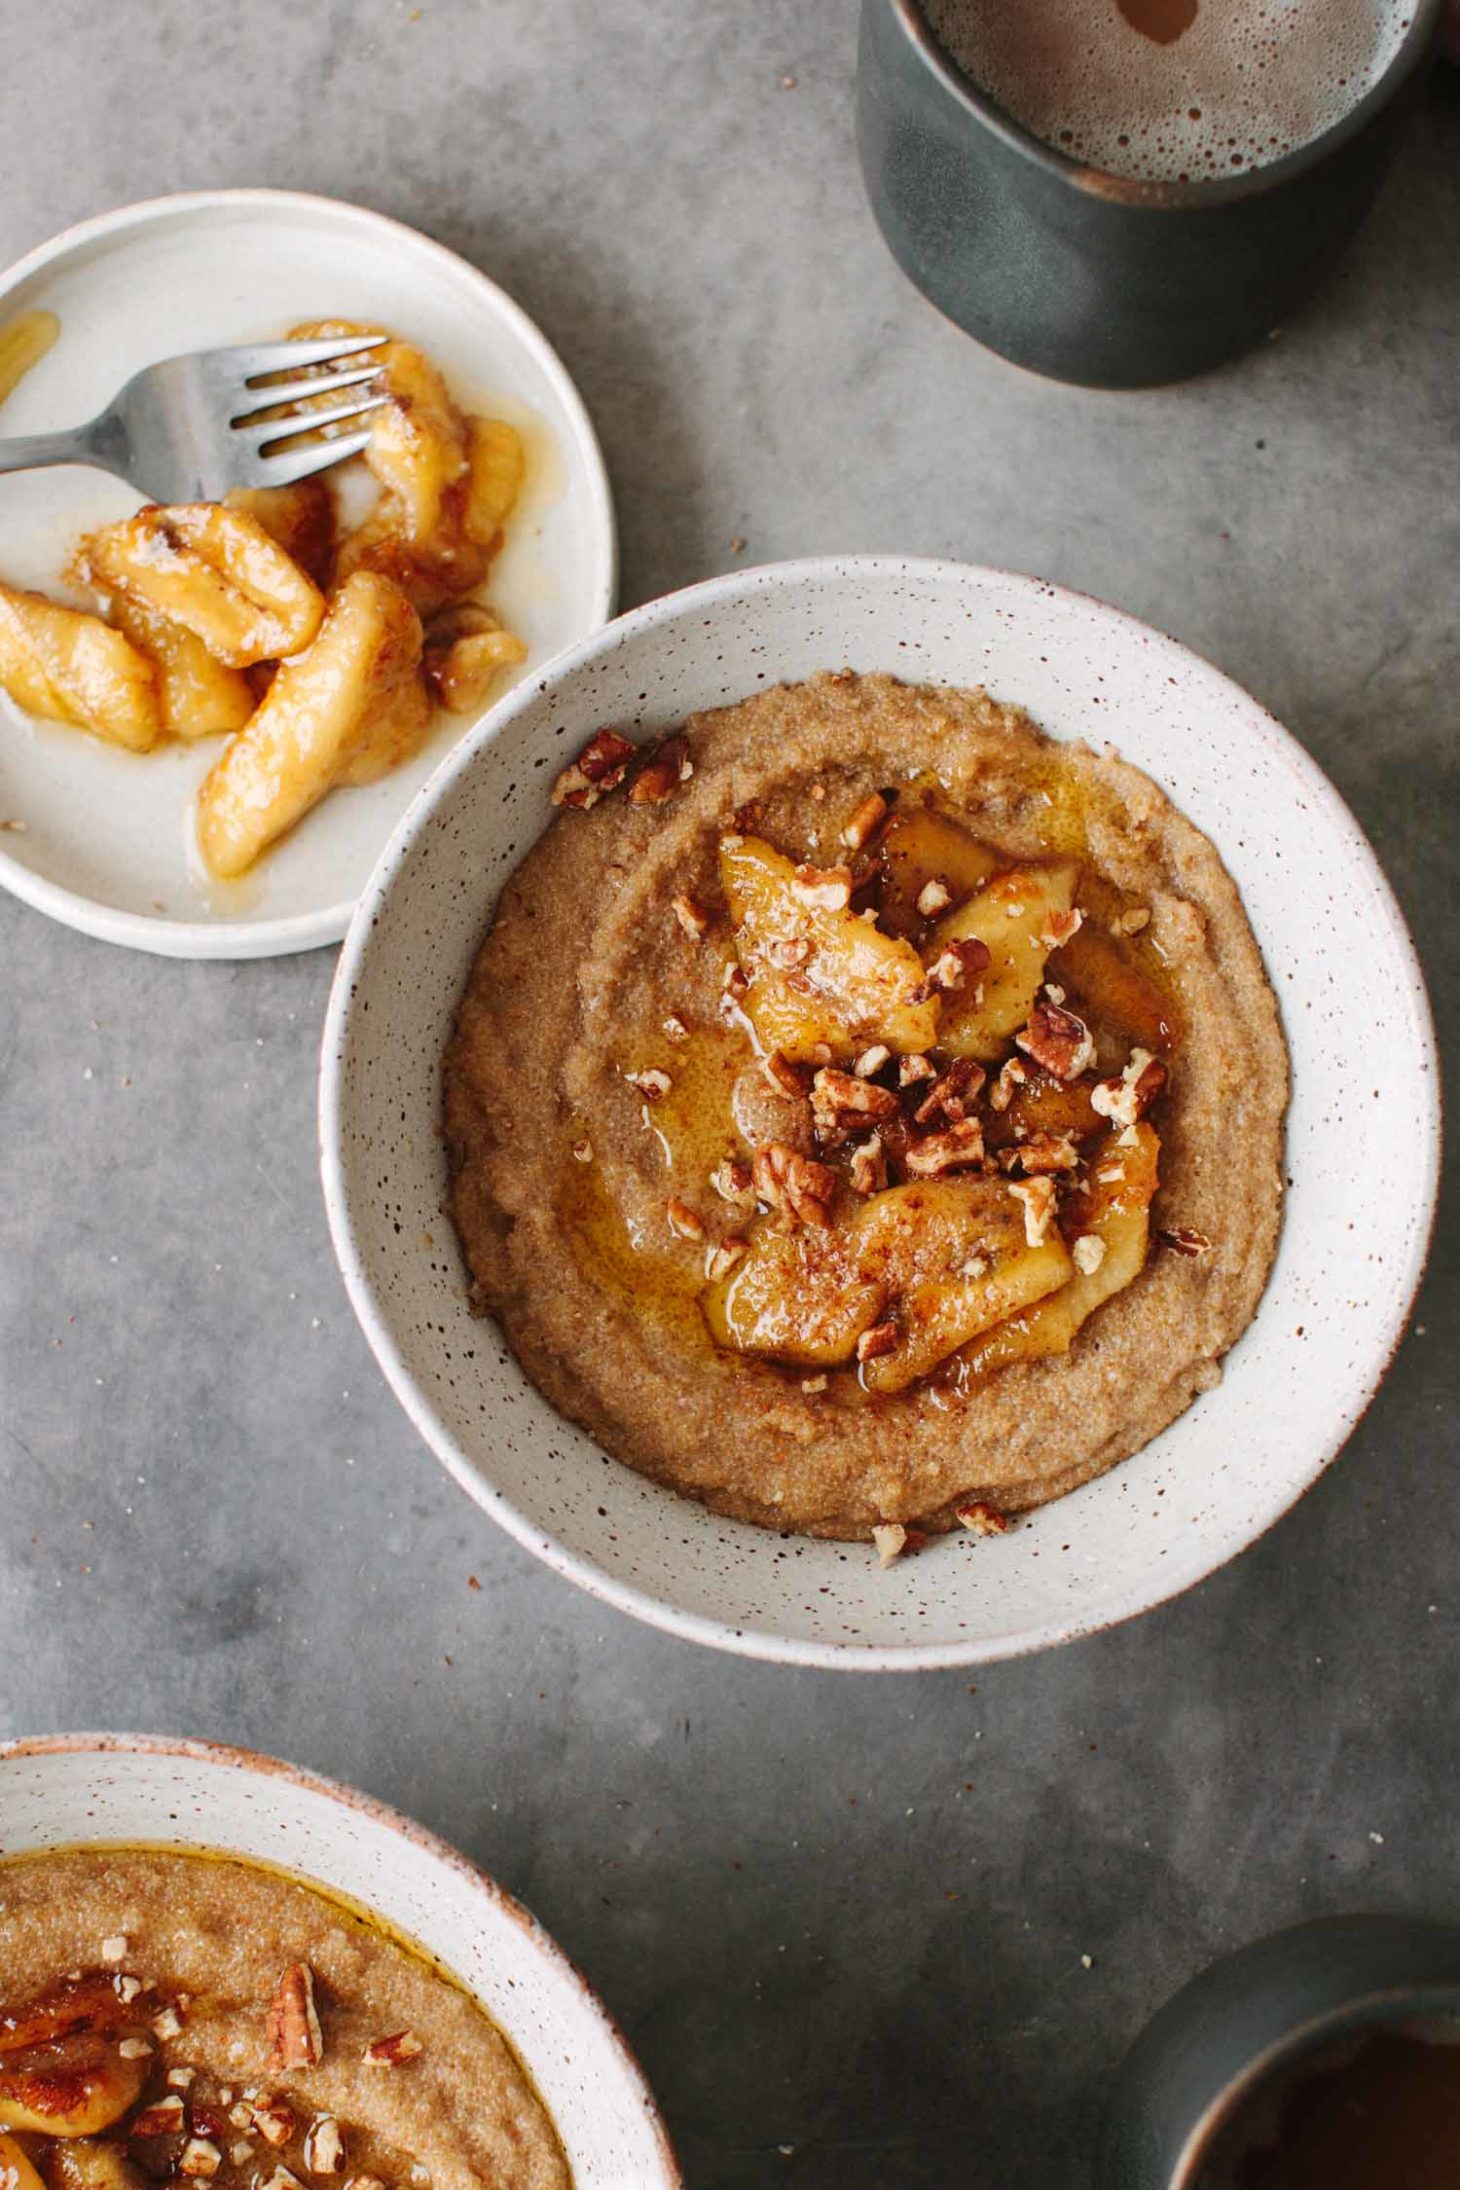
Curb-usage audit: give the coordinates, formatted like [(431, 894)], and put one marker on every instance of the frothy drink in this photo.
[(1173, 90)]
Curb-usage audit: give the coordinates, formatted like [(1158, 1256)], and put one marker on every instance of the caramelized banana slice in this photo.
[(419, 444), (313, 725), (921, 847), (1107, 1226), (214, 570), (466, 649), (1011, 915), (69, 667), (16, 2170), (821, 977), (391, 733), (197, 696), (794, 1297), (494, 478), (300, 517), (63, 2071), (88, 2163)]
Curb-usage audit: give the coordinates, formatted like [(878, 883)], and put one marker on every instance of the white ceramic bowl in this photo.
[(1363, 1130), (105, 844), (75, 1790)]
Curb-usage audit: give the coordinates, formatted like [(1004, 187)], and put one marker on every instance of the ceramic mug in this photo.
[(1254, 2013), (1096, 278)]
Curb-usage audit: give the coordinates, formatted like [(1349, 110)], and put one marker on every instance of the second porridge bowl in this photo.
[(1362, 1130)]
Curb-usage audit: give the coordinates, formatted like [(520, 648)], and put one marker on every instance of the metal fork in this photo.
[(190, 428)]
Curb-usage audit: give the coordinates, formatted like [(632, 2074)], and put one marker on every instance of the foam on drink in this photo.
[(1173, 90)]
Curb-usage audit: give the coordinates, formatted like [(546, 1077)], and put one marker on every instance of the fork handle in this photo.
[(35, 451)]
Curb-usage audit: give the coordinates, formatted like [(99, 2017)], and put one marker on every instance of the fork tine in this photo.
[(260, 432), (284, 357), (302, 463), (300, 391)]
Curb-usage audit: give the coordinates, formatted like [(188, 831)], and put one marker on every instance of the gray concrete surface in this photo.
[(844, 1921)]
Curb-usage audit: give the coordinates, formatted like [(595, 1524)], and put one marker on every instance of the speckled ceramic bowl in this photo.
[(71, 1790), (1364, 1133)]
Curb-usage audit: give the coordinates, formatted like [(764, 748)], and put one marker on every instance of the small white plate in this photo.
[(106, 843)]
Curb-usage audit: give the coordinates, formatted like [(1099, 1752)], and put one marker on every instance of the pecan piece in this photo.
[(1183, 1240), (652, 1084), (662, 773), (879, 1340), (982, 1520), (842, 1104), (721, 1260), (599, 768), (953, 1094), (292, 2025), (787, 1078), (1088, 1253), (1012, 1076), (324, 2146), (392, 2051), (871, 1060), (273, 2120), (1059, 927), (869, 1166), (1041, 1154), (164, 2118), (912, 1069), (1125, 1100), (200, 2157), (954, 1150), (956, 965), (799, 1187), (732, 1181), (825, 889), (691, 915), (865, 821), (1037, 1199), (1057, 1040), (682, 1220)]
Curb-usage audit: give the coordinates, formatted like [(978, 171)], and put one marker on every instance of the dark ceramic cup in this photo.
[(1257, 2012), (1089, 277)]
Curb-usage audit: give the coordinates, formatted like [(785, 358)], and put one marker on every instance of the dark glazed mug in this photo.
[(1256, 2012), (1090, 277)]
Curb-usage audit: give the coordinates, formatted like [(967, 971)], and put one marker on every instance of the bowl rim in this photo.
[(232, 1757), (744, 586), (291, 933)]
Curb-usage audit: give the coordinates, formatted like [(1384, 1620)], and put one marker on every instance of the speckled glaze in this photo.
[(1363, 1149), (68, 1790)]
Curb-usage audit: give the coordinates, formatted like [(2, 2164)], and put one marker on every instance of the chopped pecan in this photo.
[(825, 889), (1060, 926), (1040, 1154), (811, 1385), (324, 2146), (910, 1070), (787, 953), (164, 2118), (167, 2023), (1037, 1198), (786, 1077), (1012, 1076), (869, 1166), (115, 1948), (732, 1181), (273, 2120), (391, 2051), (292, 2025), (1057, 1040), (1182, 1240), (799, 1187), (1132, 922), (934, 897), (208, 2122), (880, 1339), (956, 965), (599, 768), (982, 1520), (126, 1988), (200, 2157), (871, 1060), (953, 1094), (1127, 1099), (721, 1260), (865, 821), (662, 773), (675, 1028), (691, 916), (735, 982), (682, 1220), (841, 1103), (891, 1540), (652, 1084), (954, 1150), (1088, 1253)]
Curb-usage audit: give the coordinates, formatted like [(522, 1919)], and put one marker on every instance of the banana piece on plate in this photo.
[(197, 696), (301, 517), (214, 570), (318, 718), (66, 666), (419, 445), (466, 650)]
